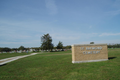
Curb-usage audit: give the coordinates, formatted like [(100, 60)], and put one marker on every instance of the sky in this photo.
[(24, 22)]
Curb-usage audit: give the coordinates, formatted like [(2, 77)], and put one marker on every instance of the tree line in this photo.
[(113, 45), (7, 49)]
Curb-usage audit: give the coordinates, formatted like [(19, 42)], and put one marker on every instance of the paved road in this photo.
[(4, 61)]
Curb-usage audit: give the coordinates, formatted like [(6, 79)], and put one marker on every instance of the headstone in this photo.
[(89, 53)]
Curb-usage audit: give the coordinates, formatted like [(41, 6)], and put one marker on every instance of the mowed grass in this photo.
[(56, 67), (57, 53), (8, 55)]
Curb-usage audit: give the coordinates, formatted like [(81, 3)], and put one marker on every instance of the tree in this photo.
[(91, 42), (68, 47), (1, 49), (46, 44), (15, 49), (60, 45), (21, 48), (6, 49)]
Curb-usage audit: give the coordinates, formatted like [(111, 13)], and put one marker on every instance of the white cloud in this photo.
[(51, 6), (109, 34)]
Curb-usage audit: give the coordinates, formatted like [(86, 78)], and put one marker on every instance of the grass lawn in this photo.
[(53, 66), (59, 52), (8, 55)]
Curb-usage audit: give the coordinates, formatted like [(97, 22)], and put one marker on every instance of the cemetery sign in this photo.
[(89, 53)]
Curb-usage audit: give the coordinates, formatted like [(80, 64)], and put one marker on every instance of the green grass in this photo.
[(57, 67), (8, 55), (59, 52)]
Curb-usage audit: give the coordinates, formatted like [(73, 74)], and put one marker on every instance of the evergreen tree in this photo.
[(60, 45), (46, 44)]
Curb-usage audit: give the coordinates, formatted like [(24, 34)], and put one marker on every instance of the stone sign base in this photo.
[(89, 61)]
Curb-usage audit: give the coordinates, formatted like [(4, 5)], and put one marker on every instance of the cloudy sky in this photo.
[(23, 22)]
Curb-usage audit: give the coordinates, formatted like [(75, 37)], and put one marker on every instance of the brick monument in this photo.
[(89, 53)]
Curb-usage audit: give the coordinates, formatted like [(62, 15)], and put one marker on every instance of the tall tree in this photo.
[(60, 45), (46, 44)]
